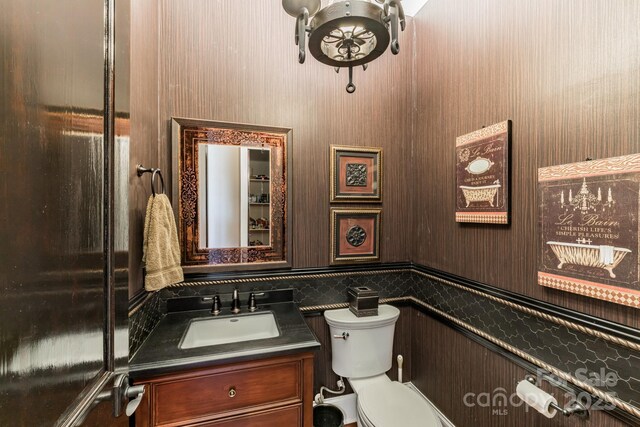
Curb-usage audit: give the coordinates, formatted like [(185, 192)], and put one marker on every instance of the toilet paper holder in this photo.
[(574, 408)]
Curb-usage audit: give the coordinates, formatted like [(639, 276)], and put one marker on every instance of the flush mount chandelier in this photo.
[(347, 33)]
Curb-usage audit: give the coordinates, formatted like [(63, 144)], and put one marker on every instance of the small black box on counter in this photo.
[(363, 301)]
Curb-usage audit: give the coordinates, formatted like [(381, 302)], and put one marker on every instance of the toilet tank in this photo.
[(367, 351)]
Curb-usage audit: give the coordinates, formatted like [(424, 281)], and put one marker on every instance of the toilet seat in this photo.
[(391, 404)]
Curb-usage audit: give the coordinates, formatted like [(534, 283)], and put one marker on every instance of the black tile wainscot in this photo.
[(537, 336)]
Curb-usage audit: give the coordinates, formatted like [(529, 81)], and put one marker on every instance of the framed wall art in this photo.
[(482, 175), (588, 228), (356, 174), (355, 235)]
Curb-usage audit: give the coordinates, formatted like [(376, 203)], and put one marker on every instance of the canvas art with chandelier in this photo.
[(588, 228)]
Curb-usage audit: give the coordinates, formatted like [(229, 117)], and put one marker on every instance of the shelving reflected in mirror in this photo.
[(234, 196)]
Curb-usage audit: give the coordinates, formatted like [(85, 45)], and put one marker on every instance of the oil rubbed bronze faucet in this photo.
[(235, 303), (252, 302), (215, 307)]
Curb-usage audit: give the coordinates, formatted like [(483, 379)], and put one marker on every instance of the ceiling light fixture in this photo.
[(346, 33)]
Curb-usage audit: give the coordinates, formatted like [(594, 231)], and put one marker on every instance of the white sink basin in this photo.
[(225, 330)]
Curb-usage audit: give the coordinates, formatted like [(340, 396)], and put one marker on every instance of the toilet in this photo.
[(362, 353)]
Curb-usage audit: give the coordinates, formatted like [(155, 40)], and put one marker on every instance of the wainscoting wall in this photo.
[(469, 383), (566, 74), (520, 334)]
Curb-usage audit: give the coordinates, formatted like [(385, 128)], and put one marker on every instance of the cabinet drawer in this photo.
[(213, 395), (290, 416)]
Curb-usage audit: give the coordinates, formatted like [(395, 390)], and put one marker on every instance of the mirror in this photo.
[(234, 196), (231, 183)]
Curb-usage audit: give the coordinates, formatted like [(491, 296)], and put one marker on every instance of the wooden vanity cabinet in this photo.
[(272, 392)]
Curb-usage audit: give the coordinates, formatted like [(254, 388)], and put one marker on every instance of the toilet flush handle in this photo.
[(344, 336)]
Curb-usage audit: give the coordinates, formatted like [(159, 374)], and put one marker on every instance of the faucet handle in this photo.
[(252, 302), (235, 303), (215, 307)]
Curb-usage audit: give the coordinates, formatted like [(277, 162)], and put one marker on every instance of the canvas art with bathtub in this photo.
[(588, 228), (482, 175)]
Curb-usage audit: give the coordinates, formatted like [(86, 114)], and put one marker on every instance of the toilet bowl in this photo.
[(362, 353), (385, 403)]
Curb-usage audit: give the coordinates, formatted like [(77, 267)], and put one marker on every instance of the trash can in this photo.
[(325, 415)]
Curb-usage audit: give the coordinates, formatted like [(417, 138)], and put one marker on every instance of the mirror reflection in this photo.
[(234, 196)]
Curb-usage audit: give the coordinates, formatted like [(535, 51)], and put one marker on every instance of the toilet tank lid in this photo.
[(344, 318)]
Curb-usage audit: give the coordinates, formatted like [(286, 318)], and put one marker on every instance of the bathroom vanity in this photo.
[(274, 392), (240, 381)]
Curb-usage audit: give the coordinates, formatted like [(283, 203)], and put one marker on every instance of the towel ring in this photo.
[(141, 170), (153, 181)]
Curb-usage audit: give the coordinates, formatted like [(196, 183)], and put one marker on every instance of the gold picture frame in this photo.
[(355, 235), (356, 174)]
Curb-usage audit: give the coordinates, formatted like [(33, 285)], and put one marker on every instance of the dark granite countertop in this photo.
[(160, 353)]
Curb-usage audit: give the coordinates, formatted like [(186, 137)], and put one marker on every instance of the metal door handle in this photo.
[(121, 392), (133, 404)]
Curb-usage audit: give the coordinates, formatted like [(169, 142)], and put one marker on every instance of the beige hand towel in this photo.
[(161, 250)]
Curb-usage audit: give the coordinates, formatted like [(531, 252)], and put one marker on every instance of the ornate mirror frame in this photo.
[(187, 135)]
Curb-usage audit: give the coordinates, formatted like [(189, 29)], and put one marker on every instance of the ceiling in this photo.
[(411, 7)]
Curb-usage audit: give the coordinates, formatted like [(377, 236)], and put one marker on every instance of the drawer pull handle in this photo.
[(232, 392)]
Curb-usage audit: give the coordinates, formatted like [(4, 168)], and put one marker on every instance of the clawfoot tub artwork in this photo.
[(603, 256), (588, 228), (485, 193), (482, 175)]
